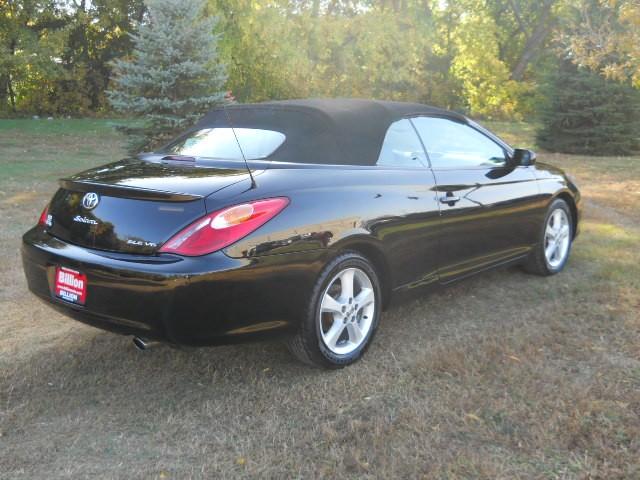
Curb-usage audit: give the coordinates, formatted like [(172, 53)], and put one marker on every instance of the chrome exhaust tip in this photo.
[(143, 343)]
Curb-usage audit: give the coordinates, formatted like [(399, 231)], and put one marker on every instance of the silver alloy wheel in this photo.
[(557, 238), (346, 311)]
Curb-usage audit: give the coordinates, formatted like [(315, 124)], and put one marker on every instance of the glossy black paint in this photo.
[(400, 218), (190, 301)]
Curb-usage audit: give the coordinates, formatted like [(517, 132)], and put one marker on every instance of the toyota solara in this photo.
[(296, 219)]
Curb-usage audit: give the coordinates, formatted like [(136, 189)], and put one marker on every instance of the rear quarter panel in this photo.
[(392, 210)]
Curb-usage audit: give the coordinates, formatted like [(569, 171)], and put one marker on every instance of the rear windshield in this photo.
[(221, 143)]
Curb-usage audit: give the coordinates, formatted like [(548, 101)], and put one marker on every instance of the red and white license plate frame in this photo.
[(71, 285)]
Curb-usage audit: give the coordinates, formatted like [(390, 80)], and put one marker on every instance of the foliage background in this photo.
[(487, 58)]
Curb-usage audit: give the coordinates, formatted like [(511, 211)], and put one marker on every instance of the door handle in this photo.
[(450, 199)]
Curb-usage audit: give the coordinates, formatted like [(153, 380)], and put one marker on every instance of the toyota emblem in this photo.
[(90, 200)]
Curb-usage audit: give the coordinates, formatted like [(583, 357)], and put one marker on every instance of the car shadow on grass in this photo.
[(90, 366)]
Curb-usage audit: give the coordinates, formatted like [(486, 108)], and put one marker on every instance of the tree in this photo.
[(477, 66), (523, 30), (30, 34), (98, 34), (588, 114), (174, 74), (258, 49), (604, 35)]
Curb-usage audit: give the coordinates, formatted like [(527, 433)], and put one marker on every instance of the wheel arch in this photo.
[(375, 254), (570, 200)]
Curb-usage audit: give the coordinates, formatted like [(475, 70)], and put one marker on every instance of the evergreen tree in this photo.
[(587, 114), (174, 74)]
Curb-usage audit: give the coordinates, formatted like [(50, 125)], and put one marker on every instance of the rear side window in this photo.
[(455, 145), (401, 147), (221, 143)]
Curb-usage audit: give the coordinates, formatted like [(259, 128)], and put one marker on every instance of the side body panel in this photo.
[(392, 210), (497, 218)]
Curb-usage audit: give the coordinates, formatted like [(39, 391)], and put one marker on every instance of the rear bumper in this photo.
[(209, 300)]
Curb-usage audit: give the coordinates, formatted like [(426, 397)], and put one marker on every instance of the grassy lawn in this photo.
[(502, 376)]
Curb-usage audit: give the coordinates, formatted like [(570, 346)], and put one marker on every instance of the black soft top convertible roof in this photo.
[(323, 131)]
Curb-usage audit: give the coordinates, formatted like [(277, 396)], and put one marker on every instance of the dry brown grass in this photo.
[(502, 376)]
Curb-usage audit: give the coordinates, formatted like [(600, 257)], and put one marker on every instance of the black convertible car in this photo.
[(296, 218)]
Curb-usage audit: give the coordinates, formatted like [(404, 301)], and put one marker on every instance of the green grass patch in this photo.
[(517, 134), (34, 153), (75, 126)]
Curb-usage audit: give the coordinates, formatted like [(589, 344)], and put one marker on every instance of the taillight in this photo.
[(224, 227), (44, 216)]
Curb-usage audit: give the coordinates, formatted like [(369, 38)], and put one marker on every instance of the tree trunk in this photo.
[(534, 42), (315, 9), (4, 93), (10, 90), (12, 93)]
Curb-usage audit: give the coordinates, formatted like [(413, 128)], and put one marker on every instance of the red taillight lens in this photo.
[(43, 216), (224, 227)]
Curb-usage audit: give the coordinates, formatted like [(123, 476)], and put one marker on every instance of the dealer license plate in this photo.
[(71, 285)]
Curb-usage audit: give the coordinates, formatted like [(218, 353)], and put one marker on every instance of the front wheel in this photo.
[(342, 316), (551, 253)]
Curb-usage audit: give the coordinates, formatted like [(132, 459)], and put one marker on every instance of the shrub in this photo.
[(585, 113)]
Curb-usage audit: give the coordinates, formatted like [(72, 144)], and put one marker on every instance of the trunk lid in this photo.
[(133, 206)]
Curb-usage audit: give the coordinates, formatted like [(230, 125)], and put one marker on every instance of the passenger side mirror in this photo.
[(523, 158)]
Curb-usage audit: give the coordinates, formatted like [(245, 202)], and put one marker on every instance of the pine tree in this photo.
[(174, 74), (587, 114)]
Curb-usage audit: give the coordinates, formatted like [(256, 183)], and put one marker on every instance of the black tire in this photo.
[(308, 345), (537, 262)]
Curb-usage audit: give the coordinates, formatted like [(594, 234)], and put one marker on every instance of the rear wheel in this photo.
[(552, 250), (342, 316)]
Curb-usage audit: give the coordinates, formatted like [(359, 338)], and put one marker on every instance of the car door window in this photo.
[(452, 144), (402, 147)]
